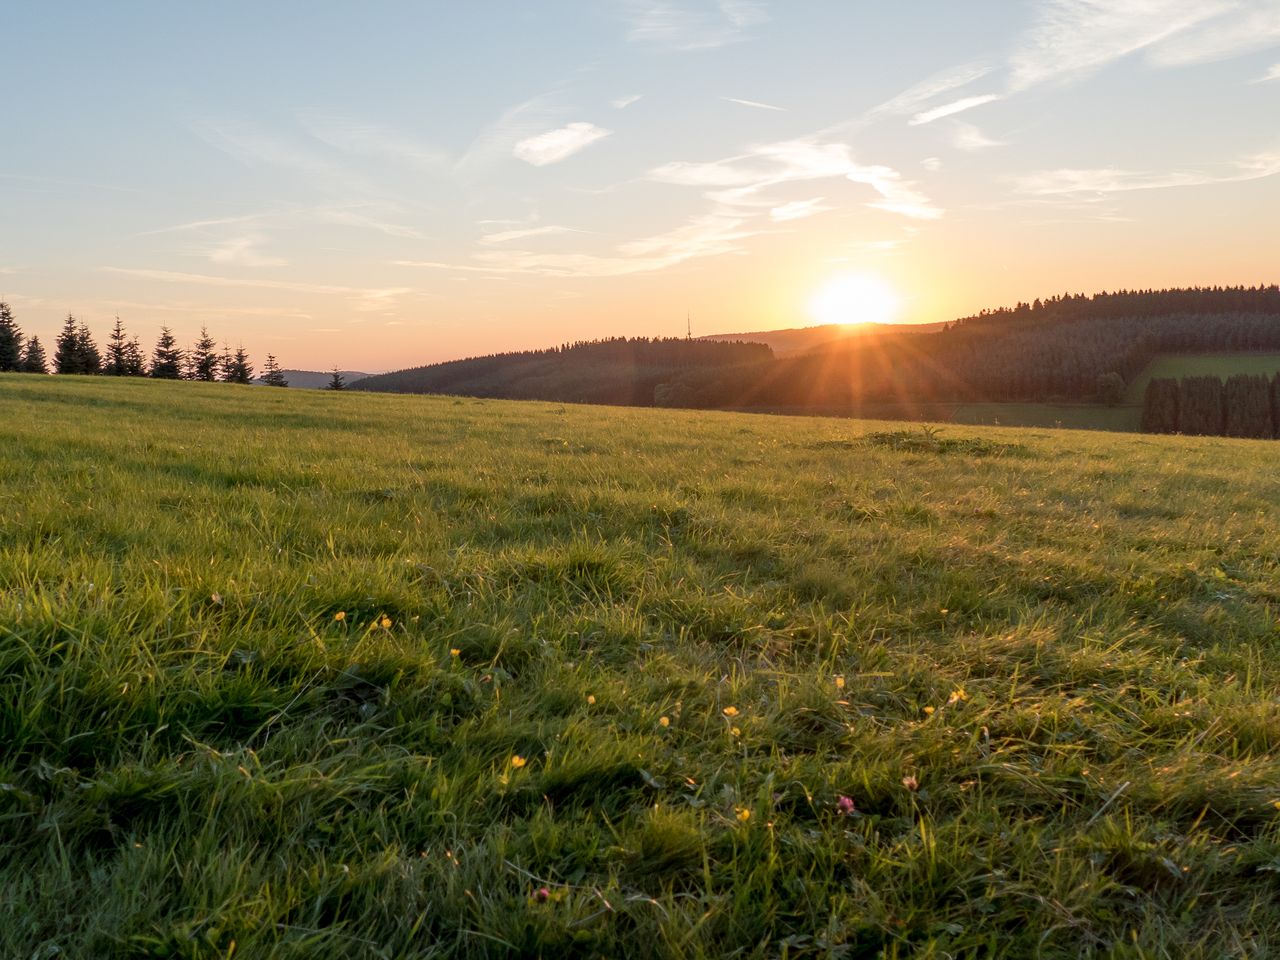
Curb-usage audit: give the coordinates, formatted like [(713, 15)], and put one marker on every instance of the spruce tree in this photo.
[(238, 369), (10, 340), (66, 356), (1247, 402), (89, 359), (116, 345), (166, 359), (135, 361), (1160, 406), (203, 361), (336, 381), (271, 375), (33, 361)]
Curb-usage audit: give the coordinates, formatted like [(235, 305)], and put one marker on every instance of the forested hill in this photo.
[(796, 340), (1073, 347), (630, 371), (1135, 303), (1062, 349)]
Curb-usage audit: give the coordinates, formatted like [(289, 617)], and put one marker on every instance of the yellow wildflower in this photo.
[(340, 615), (386, 623), (928, 711), (839, 683), (518, 761), (957, 695), (730, 711), (591, 699), (743, 814), (455, 652), (664, 721)]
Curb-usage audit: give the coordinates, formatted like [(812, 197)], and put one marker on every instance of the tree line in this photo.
[(1067, 348), (76, 352), (617, 370), (1243, 405)]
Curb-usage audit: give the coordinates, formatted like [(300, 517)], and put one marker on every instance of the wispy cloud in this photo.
[(496, 141), (371, 140), (753, 103), (255, 146), (244, 252), (1069, 182), (739, 181), (799, 210), (1073, 38), (509, 236), (914, 98), (967, 137), (1272, 74), (705, 236), (690, 26), (366, 298), (623, 102), (366, 216), (557, 145), (950, 109)]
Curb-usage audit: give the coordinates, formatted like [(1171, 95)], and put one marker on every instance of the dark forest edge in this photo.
[(1070, 348), (1243, 405)]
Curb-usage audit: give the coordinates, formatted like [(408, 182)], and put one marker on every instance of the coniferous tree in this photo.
[(1201, 411), (10, 340), (89, 359), (116, 343), (1110, 386), (33, 361), (135, 361), (66, 355), (1247, 403), (271, 375), (166, 359), (203, 361), (1275, 406), (1160, 406), (337, 381), (238, 369)]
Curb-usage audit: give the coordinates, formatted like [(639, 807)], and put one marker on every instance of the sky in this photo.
[(389, 183)]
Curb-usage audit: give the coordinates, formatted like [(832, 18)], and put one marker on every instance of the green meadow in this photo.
[(304, 674)]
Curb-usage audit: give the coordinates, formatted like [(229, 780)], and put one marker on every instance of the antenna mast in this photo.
[(688, 323)]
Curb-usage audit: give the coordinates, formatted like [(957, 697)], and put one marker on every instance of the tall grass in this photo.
[(323, 675)]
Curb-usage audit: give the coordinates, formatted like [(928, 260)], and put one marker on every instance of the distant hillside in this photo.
[(314, 379), (1051, 350), (794, 340), (617, 371), (1054, 350)]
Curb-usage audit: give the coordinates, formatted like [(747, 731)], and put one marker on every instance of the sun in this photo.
[(855, 298)]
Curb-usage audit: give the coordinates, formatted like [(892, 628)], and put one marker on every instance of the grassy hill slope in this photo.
[(289, 673), (1178, 365)]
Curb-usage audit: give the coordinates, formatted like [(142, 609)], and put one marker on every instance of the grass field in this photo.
[(1223, 365), (1071, 416), (296, 674)]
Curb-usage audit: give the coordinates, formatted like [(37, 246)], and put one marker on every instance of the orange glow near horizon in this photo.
[(855, 298)]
